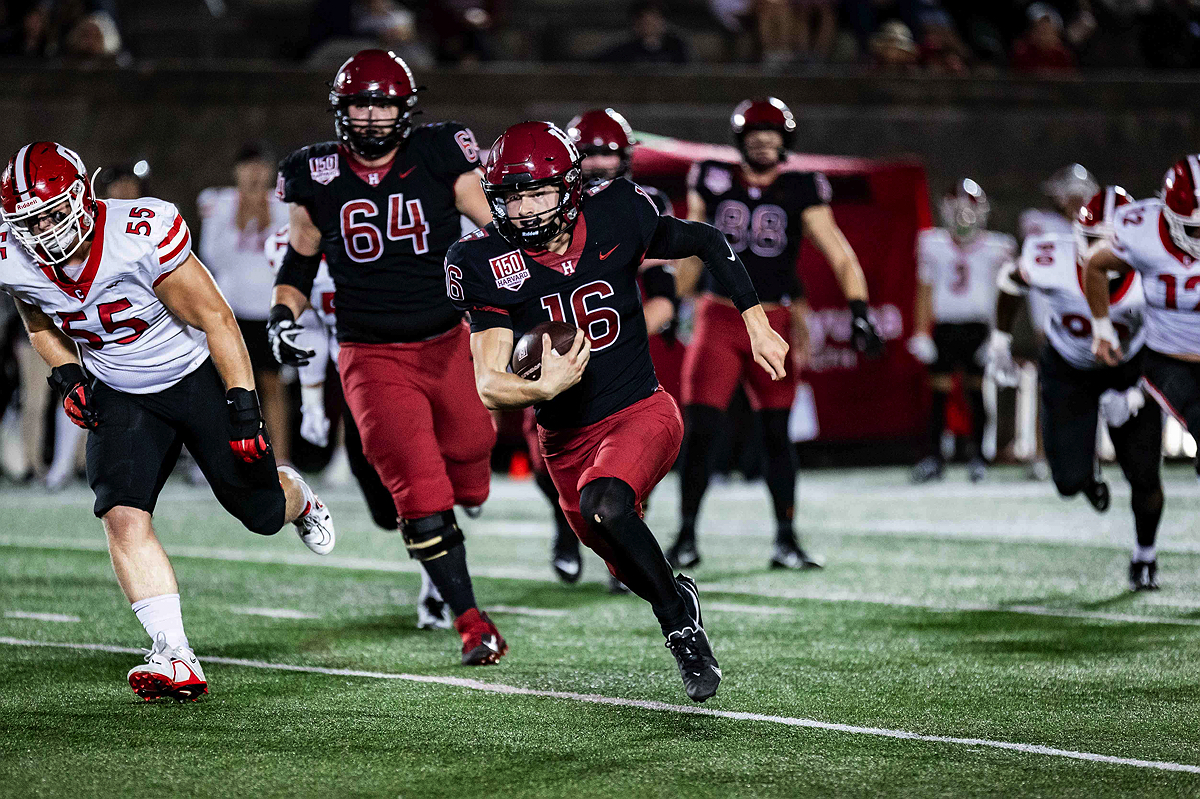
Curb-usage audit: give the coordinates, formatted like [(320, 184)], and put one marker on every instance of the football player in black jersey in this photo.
[(607, 430), (383, 204), (765, 211)]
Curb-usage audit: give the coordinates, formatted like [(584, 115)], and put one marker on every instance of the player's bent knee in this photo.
[(1070, 485), (123, 521), (430, 537), (605, 501), (263, 518)]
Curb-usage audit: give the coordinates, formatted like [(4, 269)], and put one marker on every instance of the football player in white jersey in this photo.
[(317, 334), (1077, 387), (957, 268), (146, 355), (1068, 189)]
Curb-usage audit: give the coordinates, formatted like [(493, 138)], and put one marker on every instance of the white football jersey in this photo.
[(125, 335), (1042, 222), (1170, 277), (235, 256), (1048, 265), (321, 298), (963, 276)]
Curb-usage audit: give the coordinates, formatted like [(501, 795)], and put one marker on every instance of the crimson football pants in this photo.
[(719, 357), (424, 428), (636, 445)]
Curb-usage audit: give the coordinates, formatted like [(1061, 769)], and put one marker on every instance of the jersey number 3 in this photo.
[(601, 324), (364, 240)]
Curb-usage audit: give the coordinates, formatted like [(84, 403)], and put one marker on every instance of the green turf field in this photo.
[(963, 641)]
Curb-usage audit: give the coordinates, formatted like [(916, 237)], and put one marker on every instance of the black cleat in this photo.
[(930, 468), (1143, 575), (791, 556), (683, 554), (977, 470), (1098, 495), (693, 654), (565, 559)]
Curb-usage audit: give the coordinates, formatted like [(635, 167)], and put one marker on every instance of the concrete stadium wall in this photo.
[(1007, 134)]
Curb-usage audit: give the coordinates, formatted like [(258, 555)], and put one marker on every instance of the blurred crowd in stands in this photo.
[(936, 36)]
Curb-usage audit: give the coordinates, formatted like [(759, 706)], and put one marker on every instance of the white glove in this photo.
[(1118, 407), (922, 348), (998, 359), (314, 425), (1103, 330)]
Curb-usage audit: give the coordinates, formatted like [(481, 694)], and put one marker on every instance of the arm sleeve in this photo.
[(467, 294), (172, 242), (294, 184), (676, 238), (298, 271), (925, 267)]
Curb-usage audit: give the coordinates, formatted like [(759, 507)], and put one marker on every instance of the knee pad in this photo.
[(606, 500), (430, 537)]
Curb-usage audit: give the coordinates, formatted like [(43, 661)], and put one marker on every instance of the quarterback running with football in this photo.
[(607, 430), (382, 204), (1077, 388), (147, 356), (765, 211)]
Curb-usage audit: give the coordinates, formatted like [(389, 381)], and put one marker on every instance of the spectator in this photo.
[(123, 181), (463, 29), (789, 30), (1041, 48), (892, 47), (236, 223), (867, 18), (338, 29), (73, 28), (651, 42), (816, 29), (941, 49)]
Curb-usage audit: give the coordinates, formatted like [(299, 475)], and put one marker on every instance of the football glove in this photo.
[(71, 383), (284, 333), (1118, 407), (998, 360), (247, 432), (922, 348), (863, 335), (314, 424)]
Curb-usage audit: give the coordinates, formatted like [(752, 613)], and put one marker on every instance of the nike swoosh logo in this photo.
[(718, 671), (405, 173), (490, 643), (604, 255)]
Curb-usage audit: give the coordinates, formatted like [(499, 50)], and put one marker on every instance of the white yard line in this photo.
[(517, 610), (816, 594), (23, 614), (275, 613), (512, 690)]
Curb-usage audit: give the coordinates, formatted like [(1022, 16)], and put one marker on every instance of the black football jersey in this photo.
[(385, 234), (593, 286), (763, 225)]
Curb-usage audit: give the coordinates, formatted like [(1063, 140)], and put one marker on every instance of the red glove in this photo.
[(71, 383), (247, 433)]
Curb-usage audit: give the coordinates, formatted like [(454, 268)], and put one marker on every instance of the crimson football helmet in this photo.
[(47, 202), (965, 209), (602, 131), (528, 156), (379, 78), (763, 114), (1181, 204), (1094, 222)]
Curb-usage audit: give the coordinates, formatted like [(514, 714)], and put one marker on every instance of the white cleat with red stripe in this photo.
[(315, 522), (169, 674)]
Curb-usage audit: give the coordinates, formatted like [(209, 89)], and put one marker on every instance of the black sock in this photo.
[(701, 423), (937, 423), (610, 507), (449, 573), (1147, 512), (562, 529), (978, 420), (780, 472)]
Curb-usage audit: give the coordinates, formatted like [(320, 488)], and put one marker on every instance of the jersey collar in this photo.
[(364, 172), (568, 262), (78, 289)]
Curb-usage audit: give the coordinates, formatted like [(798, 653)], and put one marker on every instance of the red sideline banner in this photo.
[(879, 206)]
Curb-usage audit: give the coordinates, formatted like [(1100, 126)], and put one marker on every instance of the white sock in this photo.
[(1143, 554), (161, 614)]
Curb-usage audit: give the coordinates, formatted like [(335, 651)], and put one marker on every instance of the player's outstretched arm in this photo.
[(491, 351), (999, 361), (1105, 344), (67, 377), (293, 285), (469, 198), (48, 341), (687, 270)]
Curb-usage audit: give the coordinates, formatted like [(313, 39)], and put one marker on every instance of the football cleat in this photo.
[(683, 554), (927, 469), (482, 643), (433, 613), (790, 556), (977, 470), (1098, 495), (1143, 575), (565, 558), (693, 654), (168, 674), (314, 525)]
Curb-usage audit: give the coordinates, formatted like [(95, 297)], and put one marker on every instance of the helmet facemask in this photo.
[(372, 138), (1185, 230), (759, 166), (594, 175), (53, 230), (964, 217), (549, 224)]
